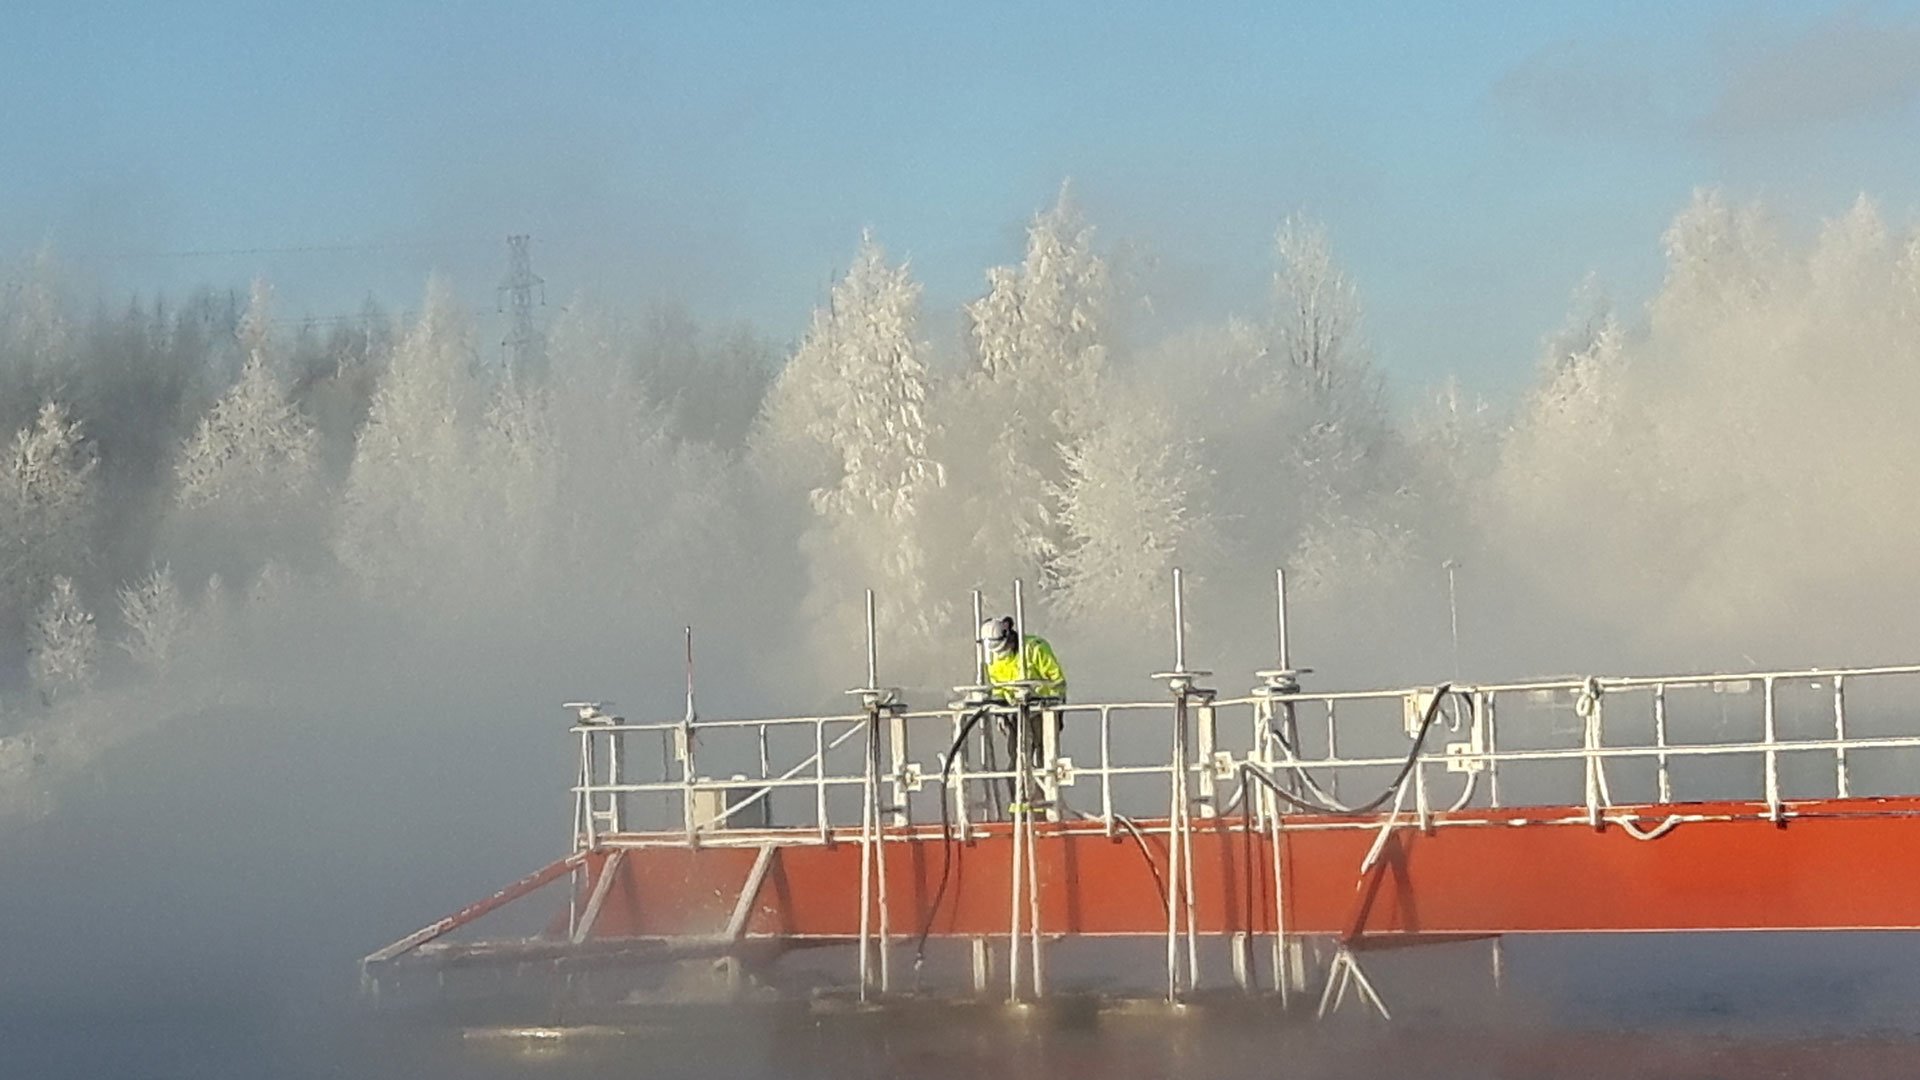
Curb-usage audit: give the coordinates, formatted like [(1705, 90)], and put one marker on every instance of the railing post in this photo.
[(1840, 780), (897, 743), (616, 777), (1660, 740), (1772, 754), (1180, 874), (1106, 768), (1207, 736), (820, 779)]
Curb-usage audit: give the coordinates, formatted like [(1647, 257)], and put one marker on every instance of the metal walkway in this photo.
[(1780, 800)]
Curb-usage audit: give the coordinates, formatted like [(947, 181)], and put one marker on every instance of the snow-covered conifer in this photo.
[(1133, 500), (1316, 306), (1039, 339), (253, 453), (47, 505), (65, 642), (411, 484), (156, 618)]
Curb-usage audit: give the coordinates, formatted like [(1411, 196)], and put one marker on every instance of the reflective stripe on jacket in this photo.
[(1042, 667)]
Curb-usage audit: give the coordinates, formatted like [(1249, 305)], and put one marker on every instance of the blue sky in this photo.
[(1472, 161)]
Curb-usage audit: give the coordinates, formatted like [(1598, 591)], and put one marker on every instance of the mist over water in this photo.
[(286, 612)]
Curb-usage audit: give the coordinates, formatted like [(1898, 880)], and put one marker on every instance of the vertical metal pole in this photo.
[(1493, 751), (1453, 616), (880, 869), (957, 771), (1106, 768), (1333, 749), (582, 806), (1049, 754), (1208, 736), (1660, 740), (1840, 785), (1187, 891), (1020, 625), (1283, 968), (982, 951), (1174, 905), (897, 741), (685, 746), (1179, 624), (873, 656), (866, 866), (820, 778), (587, 785), (1280, 616), (616, 819), (1016, 812), (1039, 981), (979, 646), (1772, 755)]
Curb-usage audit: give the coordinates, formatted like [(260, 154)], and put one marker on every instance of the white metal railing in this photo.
[(719, 774), (1277, 757)]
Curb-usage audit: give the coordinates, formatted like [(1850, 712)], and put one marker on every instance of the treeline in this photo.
[(1705, 475)]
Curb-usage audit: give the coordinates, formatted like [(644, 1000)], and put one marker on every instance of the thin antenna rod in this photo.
[(1179, 624), (979, 643), (1280, 616), (873, 656), (1020, 626), (691, 714), (1453, 616)]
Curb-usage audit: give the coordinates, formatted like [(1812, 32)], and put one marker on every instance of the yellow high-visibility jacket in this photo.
[(1042, 667)]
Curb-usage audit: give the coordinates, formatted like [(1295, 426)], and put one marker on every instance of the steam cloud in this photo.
[(369, 549)]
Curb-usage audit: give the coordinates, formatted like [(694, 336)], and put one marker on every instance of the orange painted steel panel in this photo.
[(1834, 864)]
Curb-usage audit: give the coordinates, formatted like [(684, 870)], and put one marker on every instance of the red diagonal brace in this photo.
[(551, 872)]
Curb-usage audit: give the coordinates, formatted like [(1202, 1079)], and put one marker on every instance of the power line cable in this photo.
[(297, 249)]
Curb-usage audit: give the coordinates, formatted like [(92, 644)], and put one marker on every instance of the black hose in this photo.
[(1413, 757), (946, 833)]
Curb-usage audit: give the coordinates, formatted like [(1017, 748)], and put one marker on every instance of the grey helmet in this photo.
[(998, 636)]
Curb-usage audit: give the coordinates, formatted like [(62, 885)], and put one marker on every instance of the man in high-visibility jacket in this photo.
[(1005, 652), (1011, 660)]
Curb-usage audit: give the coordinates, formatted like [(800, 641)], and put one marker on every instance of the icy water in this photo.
[(1737, 1007), (173, 929), (232, 1045)]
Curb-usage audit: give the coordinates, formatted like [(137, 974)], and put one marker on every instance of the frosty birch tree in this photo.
[(156, 618), (1720, 258), (47, 506), (253, 457), (1039, 342), (35, 337), (1132, 501), (410, 487), (1308, 454), (1316, 306), (65, 643), (868, 410)]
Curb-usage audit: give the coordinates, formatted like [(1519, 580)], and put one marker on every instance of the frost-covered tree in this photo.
[(1039, 338), (65, 643), (1720, 258), (253, 456), (1040, 330), (47, 506), (1316, 306), (1133, 502), (156, 618), (36, 337), (410, 494), (856, 390)]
